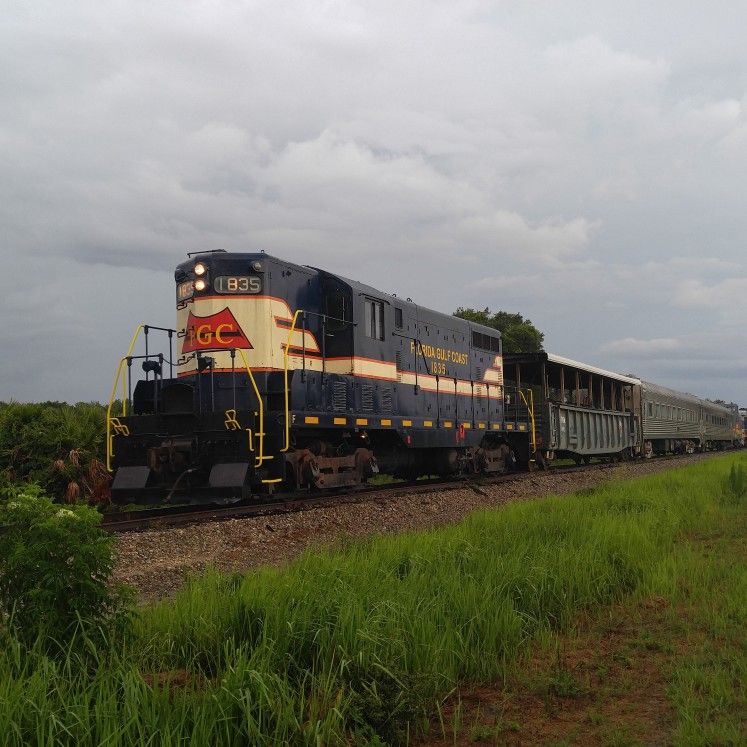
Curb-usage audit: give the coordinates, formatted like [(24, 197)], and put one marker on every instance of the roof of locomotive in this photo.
[(355, 286), (221, 256), (368, 290)]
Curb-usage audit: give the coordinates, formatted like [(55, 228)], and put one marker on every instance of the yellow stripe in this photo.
[(481, 425), (311, 419), (509, 426), (428, 423), (466, 425), (340, 421), (278, 479), (522, 427), (406, 422), (386, 421), (495, 426), (361, 421), (448, 424)]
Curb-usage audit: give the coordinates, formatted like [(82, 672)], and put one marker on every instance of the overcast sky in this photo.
[(579, 163)]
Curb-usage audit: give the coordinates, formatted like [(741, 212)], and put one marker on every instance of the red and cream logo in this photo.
[(219, 330)]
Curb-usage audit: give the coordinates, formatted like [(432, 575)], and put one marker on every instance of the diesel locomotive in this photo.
[(283, 377)]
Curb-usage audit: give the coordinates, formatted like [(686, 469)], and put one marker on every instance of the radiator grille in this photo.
[(398, 360), (386, 400), (339, 396), (367, 398)]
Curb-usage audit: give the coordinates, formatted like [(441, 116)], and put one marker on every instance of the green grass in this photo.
[(359, 643), (707, 680)]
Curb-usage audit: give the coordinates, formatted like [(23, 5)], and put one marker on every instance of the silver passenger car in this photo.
[(675, 422)]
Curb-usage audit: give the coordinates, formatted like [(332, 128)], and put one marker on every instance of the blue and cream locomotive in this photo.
[(279, 376)]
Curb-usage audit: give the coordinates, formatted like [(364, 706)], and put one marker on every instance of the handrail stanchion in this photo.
[(233, 375), (530, 408), (285, 375), (109, 450), (129, 378), (324, 347), (171, 353), (261, 435), (303, 350)]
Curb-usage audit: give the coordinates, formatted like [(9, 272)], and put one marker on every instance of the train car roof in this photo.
[(563, 361), (649, 386), (659, 389)]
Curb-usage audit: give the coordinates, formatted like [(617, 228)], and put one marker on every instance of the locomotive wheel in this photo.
[(366, 464), (308, 471)]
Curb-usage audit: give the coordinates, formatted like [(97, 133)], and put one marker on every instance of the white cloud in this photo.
[(585, 168), (633, 348), (726, 295)]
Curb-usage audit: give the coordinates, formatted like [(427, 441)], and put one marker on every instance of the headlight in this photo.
[(256, 265), (200, 285), (200, 269)]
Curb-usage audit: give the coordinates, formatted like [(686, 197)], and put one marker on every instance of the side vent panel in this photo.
[(367, 398), (386, 400), (339, 396)]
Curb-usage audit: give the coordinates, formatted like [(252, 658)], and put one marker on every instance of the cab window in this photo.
[(374, 320)]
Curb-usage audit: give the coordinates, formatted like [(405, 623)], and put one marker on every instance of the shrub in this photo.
[(55, 568), (55, 445)]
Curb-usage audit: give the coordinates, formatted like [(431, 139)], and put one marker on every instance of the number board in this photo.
[(185, 290), (250, 284)]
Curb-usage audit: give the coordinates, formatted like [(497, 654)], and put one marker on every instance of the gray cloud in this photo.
[(584, 168)]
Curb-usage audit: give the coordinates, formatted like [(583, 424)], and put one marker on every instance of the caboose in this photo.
[(285, 377)]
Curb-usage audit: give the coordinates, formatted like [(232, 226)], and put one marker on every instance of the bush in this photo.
[(58, 446), (55, 568)]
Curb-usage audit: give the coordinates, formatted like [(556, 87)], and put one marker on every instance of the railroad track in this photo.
[(172, 516)]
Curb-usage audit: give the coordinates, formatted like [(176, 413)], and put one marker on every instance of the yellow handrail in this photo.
[(261, 434), (285, 378), (122, 361), (530, 406)]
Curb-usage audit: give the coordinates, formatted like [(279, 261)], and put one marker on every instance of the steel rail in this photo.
[(162, 518), (172, 516)]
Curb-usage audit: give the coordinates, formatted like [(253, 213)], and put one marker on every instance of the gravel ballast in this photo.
[(157, 562)]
